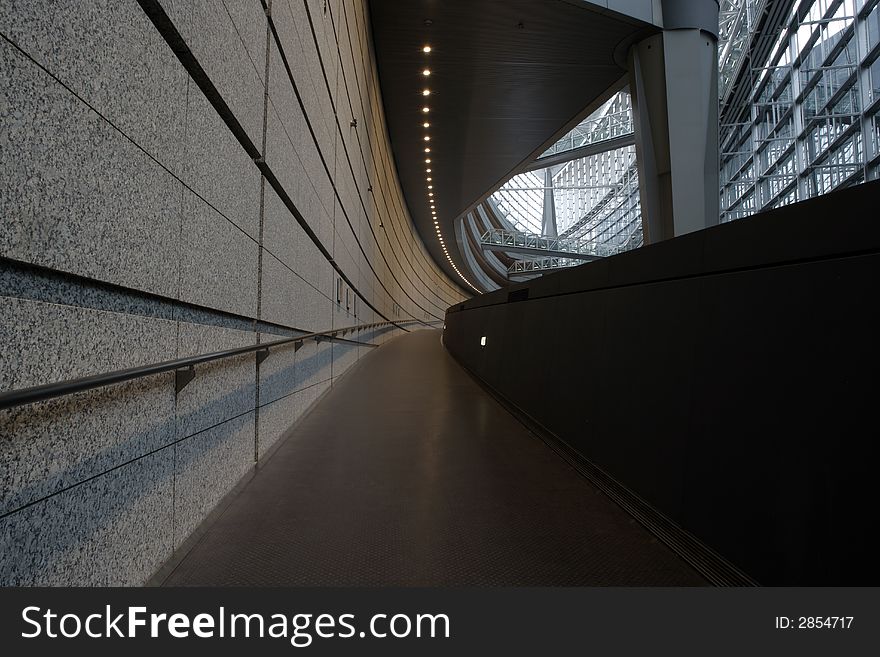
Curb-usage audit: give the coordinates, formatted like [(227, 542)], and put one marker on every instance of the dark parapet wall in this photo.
[(727, 377)]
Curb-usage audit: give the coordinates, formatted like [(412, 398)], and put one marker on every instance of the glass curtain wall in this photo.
[(811, 122), (802, 121), (596, 197)]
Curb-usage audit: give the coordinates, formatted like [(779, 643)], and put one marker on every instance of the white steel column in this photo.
[(674, 86), (548, 223)]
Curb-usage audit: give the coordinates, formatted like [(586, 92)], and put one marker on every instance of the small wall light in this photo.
[(483, 341)]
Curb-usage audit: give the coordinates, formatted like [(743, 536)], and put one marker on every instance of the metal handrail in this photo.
[(569, 246), (183, 367)]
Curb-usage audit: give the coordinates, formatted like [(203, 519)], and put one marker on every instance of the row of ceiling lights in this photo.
[(429, 179)]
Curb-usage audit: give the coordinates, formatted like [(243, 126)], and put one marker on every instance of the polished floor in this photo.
[(407, 473)]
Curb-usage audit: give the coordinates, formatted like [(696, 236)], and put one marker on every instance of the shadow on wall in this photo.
[(102, 520), (726, 377)]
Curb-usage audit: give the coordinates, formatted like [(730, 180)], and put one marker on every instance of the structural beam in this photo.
[(583, 151)]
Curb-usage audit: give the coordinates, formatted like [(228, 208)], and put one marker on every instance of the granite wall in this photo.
[(180, 177)]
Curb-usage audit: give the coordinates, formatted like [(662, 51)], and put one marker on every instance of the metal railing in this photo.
[(529, 243), (184, 368), (595, 129), (520, 267)]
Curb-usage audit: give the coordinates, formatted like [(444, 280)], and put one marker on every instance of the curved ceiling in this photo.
[(507, 77)]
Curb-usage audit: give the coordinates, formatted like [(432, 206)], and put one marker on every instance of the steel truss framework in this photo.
[(811, 122), (613, 119), (800, 122), (596, 197), (540, 265), (737, 21), (518, 242)]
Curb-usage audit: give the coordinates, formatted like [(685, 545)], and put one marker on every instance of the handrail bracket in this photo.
[(183, 376)]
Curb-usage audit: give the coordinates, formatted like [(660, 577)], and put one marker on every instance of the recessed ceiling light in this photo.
[(427, 150), (427, 138), (427, 160), (426, 92), (426, 49), (430, 186), (428, 170), (426, 72), (429, 178), (430, 193), (426, 125), (426, 109)]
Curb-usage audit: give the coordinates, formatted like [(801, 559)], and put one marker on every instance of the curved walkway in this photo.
[(407, 473)]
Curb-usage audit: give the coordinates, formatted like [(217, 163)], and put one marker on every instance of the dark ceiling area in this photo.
[(506, 77)]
